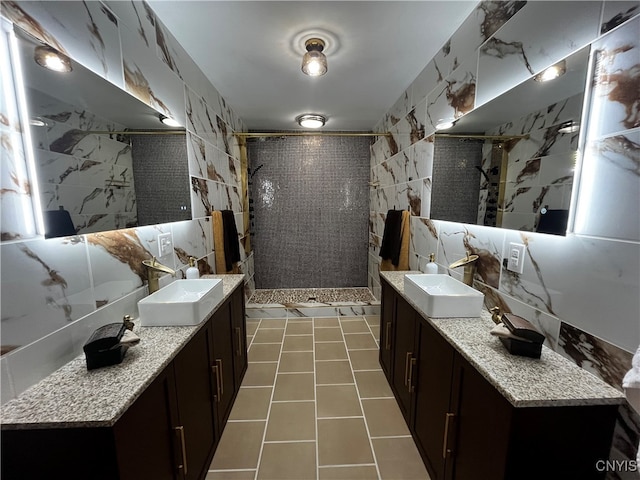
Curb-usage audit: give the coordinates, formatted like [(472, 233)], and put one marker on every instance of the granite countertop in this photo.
[(551, 380), (74, 397)]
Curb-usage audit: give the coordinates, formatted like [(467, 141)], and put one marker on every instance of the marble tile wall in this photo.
[(580, 290), (55, 292)]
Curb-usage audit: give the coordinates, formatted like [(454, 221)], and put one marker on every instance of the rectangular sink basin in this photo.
[(182, 302), (439, 295)]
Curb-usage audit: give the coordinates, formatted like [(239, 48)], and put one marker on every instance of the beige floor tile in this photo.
[(373, 320), (231, 475), (365, 359), (343, 442), (327, 334), (365, 472), (297, 343), (291, 421), (251, 404), (294, 386), (288, 461), (264, 352), (331, 351), (354, 326), (358, 341), (384, 418), (273, 323), (398, 459), (338, 401), (260, 374), (296, 362), (299, 328), (239, 446), (372, 384), (333, 372), (326, 322), (268, 335), (252, 327)]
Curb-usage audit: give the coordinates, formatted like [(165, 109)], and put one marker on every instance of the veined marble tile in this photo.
[(85, 31), (424, 236), (138, 16), (519, 221), (201, 119), (57, 168), (454, 97), (582, 280), (118, 255), (400, 109), (420, 159), (205, 197), (149, 79), (595, 355), (428, 79), (425, 201), (615, 78), (101, 222), (51, 289), (192, 238), (615, 13), (538, 36), (609, 192), (456, 239)]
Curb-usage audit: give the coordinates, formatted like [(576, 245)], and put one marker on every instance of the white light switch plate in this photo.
[(515, 261), (165, 244)]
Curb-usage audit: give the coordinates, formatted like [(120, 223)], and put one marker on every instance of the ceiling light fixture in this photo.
[(50, 58), (554, 71), (311, 120), (569, 127), (168, 121), (314, 62), (444, 124)]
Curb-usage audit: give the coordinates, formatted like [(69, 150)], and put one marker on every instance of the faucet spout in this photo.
[(154, 270), (469, 264)]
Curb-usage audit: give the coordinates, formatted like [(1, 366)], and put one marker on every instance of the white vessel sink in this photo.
[(439, 295), (183, 302)]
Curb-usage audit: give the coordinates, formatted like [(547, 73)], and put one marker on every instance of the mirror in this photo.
[(91, 176), (510, 163)]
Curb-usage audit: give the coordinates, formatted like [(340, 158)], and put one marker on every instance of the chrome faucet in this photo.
[(154, 271), (469, 263)]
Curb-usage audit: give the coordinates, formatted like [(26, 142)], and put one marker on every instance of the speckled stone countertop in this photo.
[(74, 397), (551, 380)]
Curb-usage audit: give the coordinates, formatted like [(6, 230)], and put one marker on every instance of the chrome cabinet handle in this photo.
[(180, 431), (219, 363), (214, 369), (406, 368), (410, 379), (445, 450)]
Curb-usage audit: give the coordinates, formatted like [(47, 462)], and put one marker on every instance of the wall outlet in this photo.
[(515, 262), (165, 244)]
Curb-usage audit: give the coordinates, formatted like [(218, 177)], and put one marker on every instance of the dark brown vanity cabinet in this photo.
[(465, 428), (169, 432)]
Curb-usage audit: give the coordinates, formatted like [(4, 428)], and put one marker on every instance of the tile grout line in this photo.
[(273, 391), (366, 426), (315, 396)]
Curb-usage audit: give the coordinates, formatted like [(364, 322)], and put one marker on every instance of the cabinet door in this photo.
[(222, 363), (432, 415), (387, 311), (239, 325), (195, 393), (147, 444), (483, 421), (403, 355)]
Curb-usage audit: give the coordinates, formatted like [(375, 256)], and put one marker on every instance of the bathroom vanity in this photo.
[(477, 412), (159, 414)]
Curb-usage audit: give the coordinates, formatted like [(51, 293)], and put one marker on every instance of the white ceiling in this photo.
[(252, 51)]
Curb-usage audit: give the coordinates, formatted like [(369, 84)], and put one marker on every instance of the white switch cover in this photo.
[(165, 244), (515, 261)]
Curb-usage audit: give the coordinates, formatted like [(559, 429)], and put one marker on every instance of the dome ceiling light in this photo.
[(314, 62), (50, 58), (554, 71), (311, 120)]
